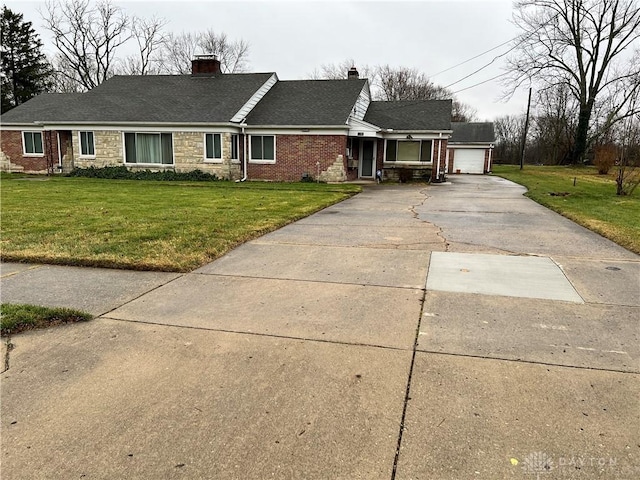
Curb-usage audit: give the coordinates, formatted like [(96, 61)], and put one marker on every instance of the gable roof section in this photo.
[(410, 114), (472, 132), (307, 102), (148, 99)]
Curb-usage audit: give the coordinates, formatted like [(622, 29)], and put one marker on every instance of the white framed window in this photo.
[(235, 145), (148, 148), (213, 147), (32, 143), (263, 148), (87, 145), (409, 151)]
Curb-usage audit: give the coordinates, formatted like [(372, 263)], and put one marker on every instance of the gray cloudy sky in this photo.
[(293, 38)]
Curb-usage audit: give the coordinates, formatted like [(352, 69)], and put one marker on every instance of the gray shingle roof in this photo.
[(411, 114), (43, 108), (150, 99), (472, 132), (307, 102)]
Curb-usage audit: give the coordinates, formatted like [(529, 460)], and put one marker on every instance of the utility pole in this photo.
[(524, 134)]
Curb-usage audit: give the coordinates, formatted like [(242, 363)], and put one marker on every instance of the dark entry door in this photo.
[(367, 160)]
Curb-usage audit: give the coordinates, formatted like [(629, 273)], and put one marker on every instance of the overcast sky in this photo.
[(294, 37)]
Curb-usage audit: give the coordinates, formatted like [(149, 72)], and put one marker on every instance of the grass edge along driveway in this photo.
[(146, 225), (592, 202)]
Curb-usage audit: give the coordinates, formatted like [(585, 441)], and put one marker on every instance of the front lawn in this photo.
[(146, 225), (592, 202)]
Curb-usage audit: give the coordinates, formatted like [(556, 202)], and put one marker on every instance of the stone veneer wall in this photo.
[(108, 149), (188, 152), (188, 148)]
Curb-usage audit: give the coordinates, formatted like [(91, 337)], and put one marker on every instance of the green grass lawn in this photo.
[(592, 202), (146, 225), (16, 318)]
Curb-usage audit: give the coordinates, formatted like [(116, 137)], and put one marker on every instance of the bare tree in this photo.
[(87, 37), (508, 130), (148, 35), (179, 50), (338, 71), (402, 83), (554, 125), (233, 55), (580, 44), (628, 164), (64, 78)]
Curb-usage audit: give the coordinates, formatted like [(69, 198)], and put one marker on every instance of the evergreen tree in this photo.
[(25, 70)]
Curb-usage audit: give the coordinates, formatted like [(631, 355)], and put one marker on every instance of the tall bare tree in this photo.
[(581, 44), (87, 36), (179, 49), (147, 33)]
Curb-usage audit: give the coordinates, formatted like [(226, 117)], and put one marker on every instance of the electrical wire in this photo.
[(481, 83), (473, 58)]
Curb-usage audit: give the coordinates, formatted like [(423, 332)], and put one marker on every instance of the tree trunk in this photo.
[(582, 133)]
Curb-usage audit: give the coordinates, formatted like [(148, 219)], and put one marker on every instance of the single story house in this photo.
[(238, 126), (470, 147)]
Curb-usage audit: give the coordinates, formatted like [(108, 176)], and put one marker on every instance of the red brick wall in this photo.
[(379, 154), (11, 146), (297, 155)]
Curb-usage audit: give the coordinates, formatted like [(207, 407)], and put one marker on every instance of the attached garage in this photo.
[(470, 147), (467, 160)]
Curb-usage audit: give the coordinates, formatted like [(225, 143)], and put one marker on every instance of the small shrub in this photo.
[(405, 175), (605, 158), (123, 173)]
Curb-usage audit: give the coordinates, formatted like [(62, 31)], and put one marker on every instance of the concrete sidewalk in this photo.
[(341, 346)]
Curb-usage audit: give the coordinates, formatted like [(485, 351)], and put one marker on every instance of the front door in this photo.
[(367, 158)]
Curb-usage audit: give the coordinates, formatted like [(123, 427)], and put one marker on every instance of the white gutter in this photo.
[(244, 156)]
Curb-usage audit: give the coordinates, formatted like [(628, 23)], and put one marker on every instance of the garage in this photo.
[(468, 160)]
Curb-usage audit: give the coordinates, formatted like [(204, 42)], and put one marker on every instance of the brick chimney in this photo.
[(353, 74), (205, 65)]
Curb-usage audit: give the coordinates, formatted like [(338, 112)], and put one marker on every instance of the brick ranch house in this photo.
[(237, 126)]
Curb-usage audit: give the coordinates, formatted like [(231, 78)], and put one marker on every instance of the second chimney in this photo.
[(205, 65), (353, 74)]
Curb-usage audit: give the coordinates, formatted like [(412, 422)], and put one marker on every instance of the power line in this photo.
[(473, 58), (481, 83), (483, 67)]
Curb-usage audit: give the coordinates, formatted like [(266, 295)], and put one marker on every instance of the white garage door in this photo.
[(468, 161)]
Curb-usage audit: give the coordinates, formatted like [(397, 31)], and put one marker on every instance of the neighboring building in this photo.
[(234, 125), (470, 148)]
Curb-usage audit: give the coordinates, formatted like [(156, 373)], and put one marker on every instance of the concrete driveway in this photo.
[(441, 332)]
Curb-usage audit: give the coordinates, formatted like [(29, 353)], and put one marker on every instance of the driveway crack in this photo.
[(9, 346), (439, 231)]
